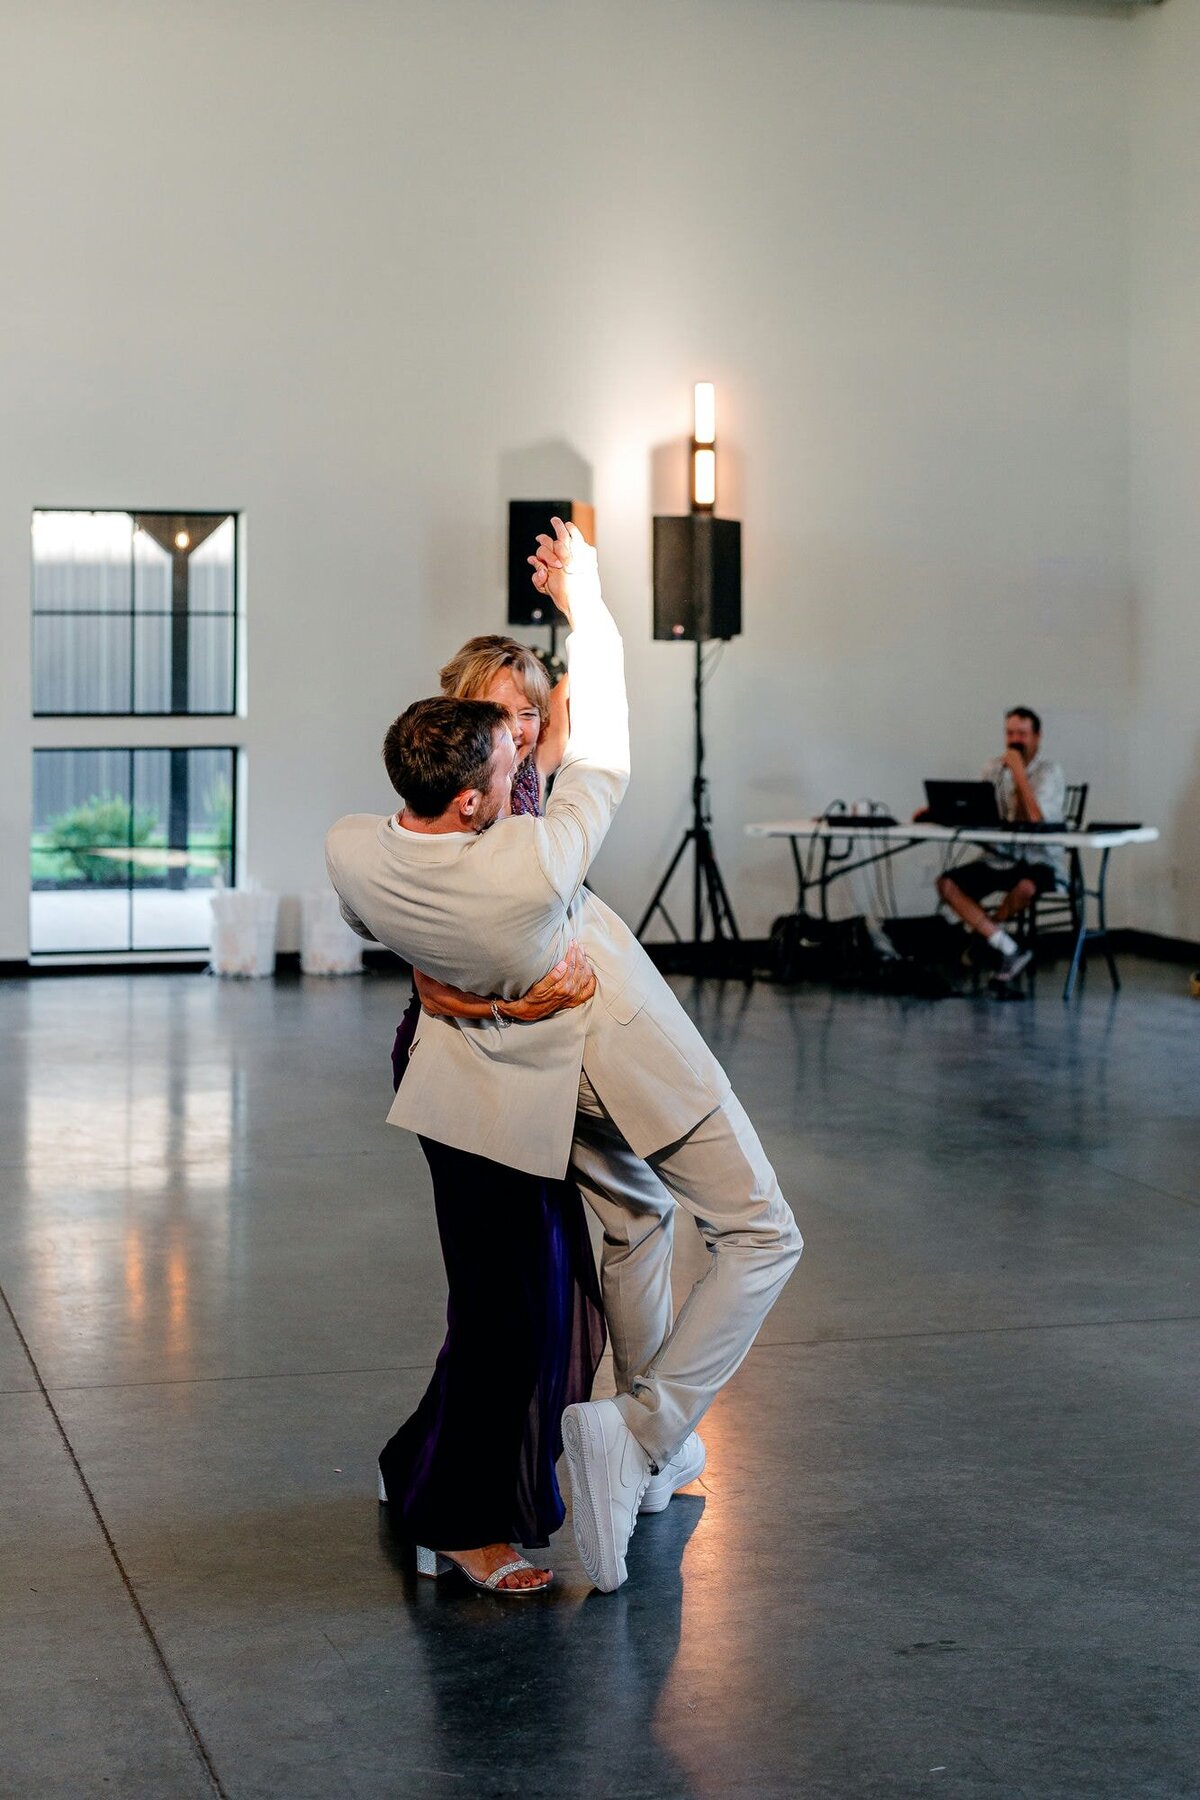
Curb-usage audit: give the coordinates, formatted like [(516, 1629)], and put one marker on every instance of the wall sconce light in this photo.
[(704, 450)]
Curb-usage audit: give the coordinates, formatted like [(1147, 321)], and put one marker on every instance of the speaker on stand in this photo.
[(698, 599)]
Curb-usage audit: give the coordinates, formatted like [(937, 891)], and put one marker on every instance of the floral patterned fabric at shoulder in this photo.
[(526, 788)]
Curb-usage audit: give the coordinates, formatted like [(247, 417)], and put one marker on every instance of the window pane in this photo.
[(80, 848), (210, 571), (88, 865), (67, 913), (210, 825), (82, 561), (88, 781), (110, 875), (107, 587), (210, 665), (152, 791), (183, 799), (152, 664), (80, 664), (171, 919), (191, 791), (151, 574)]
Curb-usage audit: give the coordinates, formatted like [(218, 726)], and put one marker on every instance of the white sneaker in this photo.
[(686, 1465), (609, 1473)]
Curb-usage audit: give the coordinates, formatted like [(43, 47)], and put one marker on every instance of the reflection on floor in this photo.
[(945, 1530)]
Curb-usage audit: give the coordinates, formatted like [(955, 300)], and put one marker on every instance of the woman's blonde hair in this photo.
[(469, 674)]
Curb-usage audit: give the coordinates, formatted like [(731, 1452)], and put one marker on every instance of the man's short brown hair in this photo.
[(438, 747)]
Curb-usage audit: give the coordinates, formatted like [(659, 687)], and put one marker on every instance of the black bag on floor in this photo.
[(842, 953), (928, 950), (929, 938), (805, 948)]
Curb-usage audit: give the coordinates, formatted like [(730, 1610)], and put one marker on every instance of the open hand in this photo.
[(569, 983), (564, 566)]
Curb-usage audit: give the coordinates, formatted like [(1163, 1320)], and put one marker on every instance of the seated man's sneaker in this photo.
[(686, 1465), (609, 1473), (1012, 964)]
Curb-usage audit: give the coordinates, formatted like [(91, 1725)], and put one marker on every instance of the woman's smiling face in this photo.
[(526, 722)]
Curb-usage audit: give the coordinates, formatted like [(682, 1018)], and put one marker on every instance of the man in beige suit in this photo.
[(622, 1090)]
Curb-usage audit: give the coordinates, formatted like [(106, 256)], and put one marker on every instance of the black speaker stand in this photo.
[(710, 898)]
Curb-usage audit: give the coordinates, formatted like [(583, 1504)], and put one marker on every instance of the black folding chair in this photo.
[(1062, 908)]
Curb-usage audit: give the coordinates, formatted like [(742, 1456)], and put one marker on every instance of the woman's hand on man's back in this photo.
[(569, 983)]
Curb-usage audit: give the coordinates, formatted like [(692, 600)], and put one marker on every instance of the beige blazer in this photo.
[(491, 912)]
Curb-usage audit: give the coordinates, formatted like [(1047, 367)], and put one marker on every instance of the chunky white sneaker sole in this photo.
[(592, 1497), (685, 1466)]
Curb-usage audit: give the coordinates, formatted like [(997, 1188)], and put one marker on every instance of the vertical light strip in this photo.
[(704, 453)]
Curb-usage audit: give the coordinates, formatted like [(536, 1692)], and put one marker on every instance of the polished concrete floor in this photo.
[(946, 1542)]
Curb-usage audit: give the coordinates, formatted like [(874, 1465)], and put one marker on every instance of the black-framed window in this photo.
[(134, 613), (126, 845)]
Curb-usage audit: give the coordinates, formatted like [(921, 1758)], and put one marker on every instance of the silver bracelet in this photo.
[(497, 1014)]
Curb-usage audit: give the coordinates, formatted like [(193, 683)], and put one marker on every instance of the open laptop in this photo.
[(962, 804)]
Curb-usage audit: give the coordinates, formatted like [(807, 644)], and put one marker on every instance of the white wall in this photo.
[(1166, 461), (346, 267)]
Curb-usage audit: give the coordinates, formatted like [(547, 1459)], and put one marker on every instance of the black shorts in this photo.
[(979, 879)]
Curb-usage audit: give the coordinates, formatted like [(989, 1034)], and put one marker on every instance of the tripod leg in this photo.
[(724, 923), (656, 903), (720, 910)]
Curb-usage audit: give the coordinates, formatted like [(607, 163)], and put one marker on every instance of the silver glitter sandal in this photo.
[(434, 1563)]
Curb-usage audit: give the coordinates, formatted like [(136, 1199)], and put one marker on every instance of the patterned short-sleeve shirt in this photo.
[(1049, 786)]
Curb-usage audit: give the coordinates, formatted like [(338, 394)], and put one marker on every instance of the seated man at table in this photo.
[(1029, 789)]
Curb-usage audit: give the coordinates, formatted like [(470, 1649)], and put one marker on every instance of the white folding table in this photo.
[(867, 841)]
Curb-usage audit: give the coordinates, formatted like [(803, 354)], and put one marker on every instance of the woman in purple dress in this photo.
[(473, 1469)]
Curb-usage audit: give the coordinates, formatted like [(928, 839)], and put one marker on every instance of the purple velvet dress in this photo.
[(524, 1334)]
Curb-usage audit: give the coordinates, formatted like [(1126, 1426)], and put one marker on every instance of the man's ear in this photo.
[(468, 802)]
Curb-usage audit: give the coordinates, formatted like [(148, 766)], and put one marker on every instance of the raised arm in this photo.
[(595, 767), (552, 745)]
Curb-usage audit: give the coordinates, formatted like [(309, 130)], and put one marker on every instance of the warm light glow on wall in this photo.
[(704, 454), (704, 478), (705, 414)]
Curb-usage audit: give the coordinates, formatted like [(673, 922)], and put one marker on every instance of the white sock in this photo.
[(1001, 941)]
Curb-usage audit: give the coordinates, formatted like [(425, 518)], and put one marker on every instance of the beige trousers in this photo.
[(668, 1372)]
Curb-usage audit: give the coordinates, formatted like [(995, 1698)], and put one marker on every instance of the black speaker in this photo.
[(525, 519), (697, 578)]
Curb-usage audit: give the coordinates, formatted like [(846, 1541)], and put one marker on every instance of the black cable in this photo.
[(876, 847), (810, 865), (956, 843), (812, 859)]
